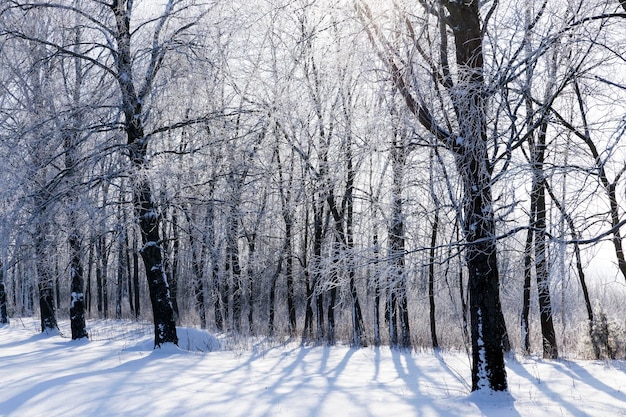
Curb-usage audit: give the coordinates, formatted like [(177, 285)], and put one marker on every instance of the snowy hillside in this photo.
[(117, 373)]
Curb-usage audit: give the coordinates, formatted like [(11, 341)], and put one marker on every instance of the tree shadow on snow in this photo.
[(544, 387)]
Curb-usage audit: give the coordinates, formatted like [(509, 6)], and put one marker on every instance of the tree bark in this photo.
[(470, 146), (143, 197), (397, 304), (550, 350), (119, 286), (431, 281), (198, 260), (528, 261), (47, 308), (377, 291), (136, 277), (77, 303), (4, 316)]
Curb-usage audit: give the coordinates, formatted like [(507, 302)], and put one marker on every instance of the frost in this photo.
[(76, 297), (150, 244), (150, 215), (460, 140), (483, 381)]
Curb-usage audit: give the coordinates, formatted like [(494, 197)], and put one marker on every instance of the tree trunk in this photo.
[(88, 290), (431, 282), (172, 263), (4, 316), (197, 267), (528, 263), (77, 284), (550, 350), (233, 268), (317, 292), (129, 269), (143, 197), (470, 147), (307, 330), (377, 291), (291, 304), (488, 369), (358, 327), (119, 287), (101, 277), (272, 295), (397, 305), (251, 286), (77, 304), (47, 308), (136, 277)]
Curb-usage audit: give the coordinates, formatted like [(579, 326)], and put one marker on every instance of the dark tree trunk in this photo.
[(528, 262), (4, 316), (57, 284), (218, 290), (538, 231), (136, 277), (173, 263), (272, 296), (307, 330), (119, 287), (233, 268), (143, 197), (88, 291), (391, 314), (152, 255), (129, 269), (251, 286), (332, 301), (287, 212), (405, 333), (45, 283), (77, 303), (291, 305), (431, 282), (197, 267), (377, 291), (397, 305), (358, 327), (77, 284), (472, 159), (462, 297), (550, 350), (338, 244), (101, 277), (199, 284), (318, 230), (46, 306), (488, 370)]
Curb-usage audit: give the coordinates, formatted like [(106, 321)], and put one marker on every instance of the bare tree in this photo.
[(469, 146)]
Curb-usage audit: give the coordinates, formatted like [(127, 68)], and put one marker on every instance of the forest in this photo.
[(426, 174)]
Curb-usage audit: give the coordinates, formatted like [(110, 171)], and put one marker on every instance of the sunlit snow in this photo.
[(117, 373)]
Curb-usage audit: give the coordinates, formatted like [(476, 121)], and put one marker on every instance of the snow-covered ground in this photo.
[(118, 374)]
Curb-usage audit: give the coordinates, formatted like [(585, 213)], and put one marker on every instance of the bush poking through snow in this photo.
[(607, 336)]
